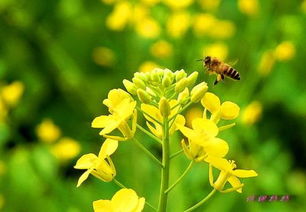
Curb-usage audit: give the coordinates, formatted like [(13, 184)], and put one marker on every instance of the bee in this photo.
[(214, 65)]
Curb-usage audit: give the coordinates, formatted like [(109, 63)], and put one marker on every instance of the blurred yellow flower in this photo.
[(203, 23), (252, 113), (223, 29), (227, 110), (285, 51), (100, 166), (156, 114), (161, 49), (125, 200), (203, 133), (2, 168), (103, 56), (122, 107), (148, 28), (228, 173), (192, 114), (66, 149), (150, 2), (47, 131), (10, 94), (209, 4), (178, 23), (120, 16), (177, 4), (219, 50), (147, 66), (249, 7), (266, 63), (2, 201), (140, 12)]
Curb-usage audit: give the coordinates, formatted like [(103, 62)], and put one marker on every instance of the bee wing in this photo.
[(233, 62)]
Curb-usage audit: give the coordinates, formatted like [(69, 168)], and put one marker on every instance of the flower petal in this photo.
[(244, 173), (229, 110), (205, 125), (235, 183), (86, 161), (108, 148), (152, 111), (111, 125), (189, 133), (140, 205), (84, 176), (211, 102), (102, 206), (125, 200), (100, 121), (216, 147), (219, 163)]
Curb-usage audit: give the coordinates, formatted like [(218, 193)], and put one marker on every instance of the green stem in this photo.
[(202, 201), (163, 197), (122, 186), (180, 178), (176, 153), (149, 134), (147, 152)]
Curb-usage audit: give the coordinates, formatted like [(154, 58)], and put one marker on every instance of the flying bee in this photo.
[(216, 66)]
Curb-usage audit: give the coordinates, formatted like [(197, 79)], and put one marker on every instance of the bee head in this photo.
[(207, 60)]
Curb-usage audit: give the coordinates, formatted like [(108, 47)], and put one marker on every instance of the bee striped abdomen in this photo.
[(232, 73)]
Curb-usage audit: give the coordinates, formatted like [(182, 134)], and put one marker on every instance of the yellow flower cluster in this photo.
[(161, 96)]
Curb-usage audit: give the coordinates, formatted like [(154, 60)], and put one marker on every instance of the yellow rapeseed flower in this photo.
[(125, 200), (223, 29), (100, 166), (139, 13), (191, 114), (161, 49), (178, 4), (121, 107), (285, 51), (47, 131), (103, 56), (147, 66), (150, 2), (219, 50), (209, 4), (228, 173), (154, 112), (266, 63), (203, 134), (227, 110), (178, 23), (249, 7), (66, 149), (148, 28), (120, 16), (252, 113), (10, 94)]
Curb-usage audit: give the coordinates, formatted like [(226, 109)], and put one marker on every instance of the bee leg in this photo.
[(222, 76), (219, 78)]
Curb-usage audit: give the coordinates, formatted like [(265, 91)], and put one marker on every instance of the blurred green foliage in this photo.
[(68, 54)]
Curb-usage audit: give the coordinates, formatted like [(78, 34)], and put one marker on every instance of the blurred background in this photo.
[(59, 59)]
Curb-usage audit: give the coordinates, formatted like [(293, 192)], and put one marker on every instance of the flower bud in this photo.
[(166, 80), (130, 87), (180, 75), (198, 92), (139, 83), (192, 78), (183, 96), (141, 76), (164, 107), (181, 85), (154, 76), (143, 96)]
